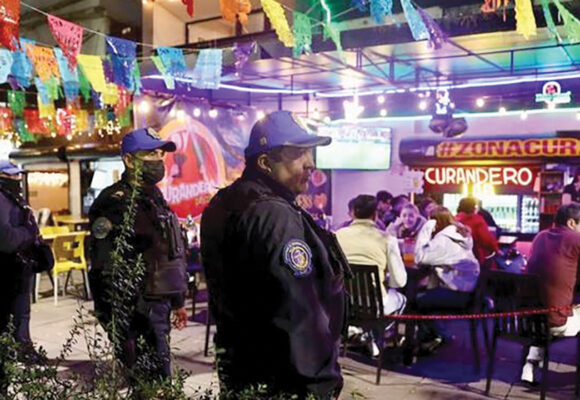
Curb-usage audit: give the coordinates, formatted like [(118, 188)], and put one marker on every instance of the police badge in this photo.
[(298, 256)]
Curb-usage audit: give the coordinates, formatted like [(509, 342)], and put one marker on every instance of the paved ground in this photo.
[(447, 375)]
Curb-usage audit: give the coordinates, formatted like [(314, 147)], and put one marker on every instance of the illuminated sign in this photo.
[(53, 179), (492, 175), (548, 147), (552, 94)]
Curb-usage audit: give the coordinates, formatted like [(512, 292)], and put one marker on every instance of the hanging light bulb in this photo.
[(422, 105), (381, 99), (196, 112), (213, 113), (383, 112), (480, 102), (502, 110)]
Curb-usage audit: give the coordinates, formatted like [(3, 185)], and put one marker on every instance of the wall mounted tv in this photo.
[(355, 147)]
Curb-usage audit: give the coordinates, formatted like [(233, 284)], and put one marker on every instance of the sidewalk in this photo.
[(447, 375)]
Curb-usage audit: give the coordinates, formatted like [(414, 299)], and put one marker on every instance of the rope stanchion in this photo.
[(476, 316)]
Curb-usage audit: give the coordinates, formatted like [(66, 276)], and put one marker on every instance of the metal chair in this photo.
[(516, 292)]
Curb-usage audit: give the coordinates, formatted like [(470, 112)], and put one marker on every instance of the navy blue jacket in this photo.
[(276, 290)]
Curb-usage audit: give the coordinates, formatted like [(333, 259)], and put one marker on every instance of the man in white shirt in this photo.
[(363, 243)]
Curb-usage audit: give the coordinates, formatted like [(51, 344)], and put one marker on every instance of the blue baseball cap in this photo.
[(282, 128), (8, 168), (144, 139)]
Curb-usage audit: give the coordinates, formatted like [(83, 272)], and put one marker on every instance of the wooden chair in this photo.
[(365, 306), (516, 292), (69, 255)]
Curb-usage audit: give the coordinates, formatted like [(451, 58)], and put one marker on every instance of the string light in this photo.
[(213, 113), (196, 112), (480, 102), (381, 99), (502, 110), (383, 112), (422, 105)]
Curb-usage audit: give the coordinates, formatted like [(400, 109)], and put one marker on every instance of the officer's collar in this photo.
[(275, 186)]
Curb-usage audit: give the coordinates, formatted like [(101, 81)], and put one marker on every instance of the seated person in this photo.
[(408, 224), (555, 257), (384, 209), (426, 206), (445, 245), (363, 243), (378, 222), (484, 243)]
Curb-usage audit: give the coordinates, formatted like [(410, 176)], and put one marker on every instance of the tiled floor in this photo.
[(447, 375)]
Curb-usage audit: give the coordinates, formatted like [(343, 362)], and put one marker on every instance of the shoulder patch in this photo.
[(298, 256), (101, 227), (118, 195)]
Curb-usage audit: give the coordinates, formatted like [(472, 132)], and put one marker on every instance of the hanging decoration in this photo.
[(82, 120), (92, 67), (46, 110), (360, 4), (124, 58), (436, 35), (302, 30), (84, 85), (9, 23), (571, 23), (5, 119), (69, 37), (111, 95), (22, 68), (442, 120), (24, 134), (380, 9), (242, 52), (70, 76), (169, 80), (44, 61), (34, 123), (550, 20), (190, 7), (16, 102), (207, 73), (173, 60), (136, 79), (416, 24), (275, 14), (5, 64), (525, 19), (332, 31), (236, 10)]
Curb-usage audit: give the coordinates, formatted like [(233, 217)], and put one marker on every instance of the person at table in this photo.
[(157, 240), (384, 208), (554, 258), (427, 205), (19, 238), (408, 224), (363, 243), (572, 190), (378, 222), (484, 243), (446, 247), (275, 277)]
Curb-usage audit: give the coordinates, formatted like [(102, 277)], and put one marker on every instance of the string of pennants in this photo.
[(111, 81)]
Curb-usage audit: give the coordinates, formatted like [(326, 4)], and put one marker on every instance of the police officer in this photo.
[(18, 236), (157, 237), (275, 277)]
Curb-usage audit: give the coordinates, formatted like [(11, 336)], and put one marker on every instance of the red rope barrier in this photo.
[(476, 316)]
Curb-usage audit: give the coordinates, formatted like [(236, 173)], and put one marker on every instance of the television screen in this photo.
[(355, 147)]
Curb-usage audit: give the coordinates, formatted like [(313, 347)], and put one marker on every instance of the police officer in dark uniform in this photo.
[(157, 237), (19, 238), (275, 277)]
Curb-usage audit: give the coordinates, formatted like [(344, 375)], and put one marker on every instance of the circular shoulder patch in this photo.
[(101, 228), (298, 256)]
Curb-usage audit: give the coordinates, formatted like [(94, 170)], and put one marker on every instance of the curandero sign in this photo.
[(483, 175)]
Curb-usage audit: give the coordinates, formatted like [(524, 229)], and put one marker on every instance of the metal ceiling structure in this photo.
[(480, 59)]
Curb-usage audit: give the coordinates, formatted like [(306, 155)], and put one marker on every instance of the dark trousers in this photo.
[(151, 324), (436, 300)]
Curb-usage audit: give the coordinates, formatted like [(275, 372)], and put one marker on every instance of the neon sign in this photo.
[(550, 147), (552, 94), (493, 175)]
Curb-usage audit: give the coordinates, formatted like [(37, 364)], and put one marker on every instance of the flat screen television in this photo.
[(355, 147)]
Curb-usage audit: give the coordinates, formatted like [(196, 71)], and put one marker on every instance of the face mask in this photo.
[(153, 172), (11, 185)]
